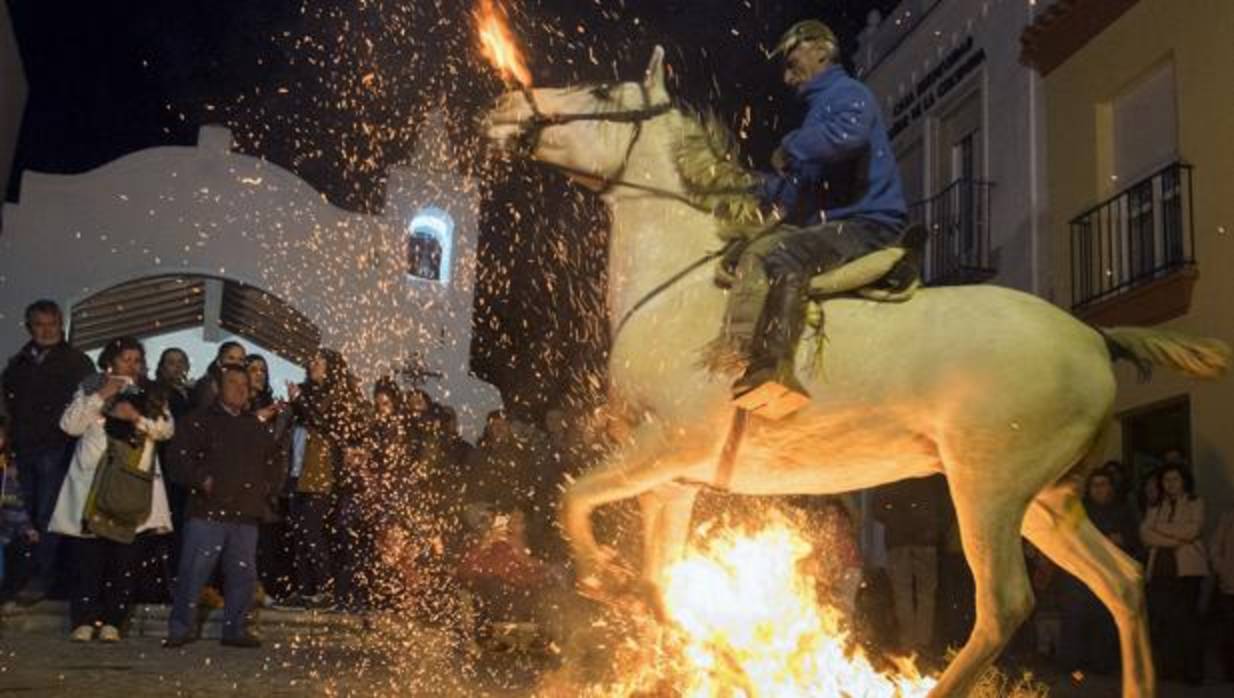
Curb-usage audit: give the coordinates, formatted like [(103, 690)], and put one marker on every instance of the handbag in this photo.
[(120, 495)]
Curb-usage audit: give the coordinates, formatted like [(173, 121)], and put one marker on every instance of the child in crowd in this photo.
[(511, 590), (14, 521)]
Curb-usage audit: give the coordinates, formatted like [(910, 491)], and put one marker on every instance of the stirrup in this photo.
[(775, 399)]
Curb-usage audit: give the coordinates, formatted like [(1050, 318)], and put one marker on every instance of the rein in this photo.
[(710, 256)]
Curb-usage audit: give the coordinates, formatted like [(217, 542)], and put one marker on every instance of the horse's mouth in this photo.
[(503, 123), (503, 133)]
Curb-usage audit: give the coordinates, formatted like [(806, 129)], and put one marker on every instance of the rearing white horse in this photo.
[(1004, 393)]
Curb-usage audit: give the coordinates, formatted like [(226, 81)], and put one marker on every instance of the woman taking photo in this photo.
[(113, 465)]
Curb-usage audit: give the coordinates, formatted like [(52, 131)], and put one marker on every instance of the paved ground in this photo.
[(331, 657), (46, 664)]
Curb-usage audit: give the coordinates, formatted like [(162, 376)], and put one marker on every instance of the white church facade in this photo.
[(174, 237)]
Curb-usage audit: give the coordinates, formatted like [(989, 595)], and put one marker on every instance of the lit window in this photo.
[(430, 242)]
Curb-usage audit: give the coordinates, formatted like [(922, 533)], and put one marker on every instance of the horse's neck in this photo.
[(653, 238)]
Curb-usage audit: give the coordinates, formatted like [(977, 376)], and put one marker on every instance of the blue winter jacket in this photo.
[(840, 161)]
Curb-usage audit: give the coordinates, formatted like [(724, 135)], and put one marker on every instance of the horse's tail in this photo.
[(1198, 357)]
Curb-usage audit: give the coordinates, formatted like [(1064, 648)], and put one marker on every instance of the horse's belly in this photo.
[(815, 452)]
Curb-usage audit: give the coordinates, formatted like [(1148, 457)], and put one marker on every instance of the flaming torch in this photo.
[(497, 43)]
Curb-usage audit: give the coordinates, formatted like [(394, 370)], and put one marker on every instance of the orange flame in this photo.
[(497, 43), (749, 623)]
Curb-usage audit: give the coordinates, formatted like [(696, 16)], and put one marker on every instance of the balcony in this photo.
[(1132, 256), (958, 221)]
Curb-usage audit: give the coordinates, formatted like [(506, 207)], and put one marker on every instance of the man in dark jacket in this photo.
[(837, 184), (227, 457), (39, 382)]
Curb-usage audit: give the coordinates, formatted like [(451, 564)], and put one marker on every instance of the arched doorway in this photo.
[(195, 313)]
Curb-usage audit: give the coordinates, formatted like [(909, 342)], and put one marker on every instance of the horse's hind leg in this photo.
[(1057, 524)]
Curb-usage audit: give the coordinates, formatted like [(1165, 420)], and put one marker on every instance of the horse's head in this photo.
[(588, 131)]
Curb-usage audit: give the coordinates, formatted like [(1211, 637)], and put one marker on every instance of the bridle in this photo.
[(531, 130)]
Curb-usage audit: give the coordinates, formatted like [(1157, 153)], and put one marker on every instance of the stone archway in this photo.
[(155, 305)]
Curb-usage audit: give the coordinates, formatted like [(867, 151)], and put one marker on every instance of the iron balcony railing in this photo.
[(1143, 233), (958, 221)]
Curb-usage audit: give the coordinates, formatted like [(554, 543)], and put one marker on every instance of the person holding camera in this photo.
[(114, 490)]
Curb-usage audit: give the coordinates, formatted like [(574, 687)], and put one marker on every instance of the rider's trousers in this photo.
[(794, 253)]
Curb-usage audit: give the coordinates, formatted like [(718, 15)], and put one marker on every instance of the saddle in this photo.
[(892, 274), (889, 275)]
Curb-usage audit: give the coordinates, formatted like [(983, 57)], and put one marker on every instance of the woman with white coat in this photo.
[(103, 407)]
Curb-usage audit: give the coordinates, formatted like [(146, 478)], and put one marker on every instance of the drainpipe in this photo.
[(1034, 190)]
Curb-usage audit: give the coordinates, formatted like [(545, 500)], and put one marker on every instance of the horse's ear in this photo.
[(654, 78)]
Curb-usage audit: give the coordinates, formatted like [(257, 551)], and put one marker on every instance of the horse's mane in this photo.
[(708, 161)]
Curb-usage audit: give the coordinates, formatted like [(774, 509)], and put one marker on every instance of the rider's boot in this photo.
[(769, 386)]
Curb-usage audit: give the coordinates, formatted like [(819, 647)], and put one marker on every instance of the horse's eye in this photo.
[(603, 92)]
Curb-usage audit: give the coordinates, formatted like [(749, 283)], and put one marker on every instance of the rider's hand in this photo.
[(725, 277), (779, 160)]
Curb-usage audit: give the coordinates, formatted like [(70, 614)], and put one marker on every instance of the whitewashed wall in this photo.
[(208, 210)]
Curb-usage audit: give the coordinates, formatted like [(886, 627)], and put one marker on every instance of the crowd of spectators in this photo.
[(1159, 521), (215, 491)]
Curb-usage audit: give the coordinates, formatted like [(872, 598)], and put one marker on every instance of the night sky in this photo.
[(334, 91)]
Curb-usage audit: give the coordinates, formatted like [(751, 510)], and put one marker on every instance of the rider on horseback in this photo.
[(837, 186)]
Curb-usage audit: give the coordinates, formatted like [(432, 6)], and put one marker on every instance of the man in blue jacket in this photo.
[(837, 187)]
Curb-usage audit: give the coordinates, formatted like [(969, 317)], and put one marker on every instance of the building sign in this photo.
[(934, 85)]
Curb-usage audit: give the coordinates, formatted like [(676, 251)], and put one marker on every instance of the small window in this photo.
[(1145, 127), (424, 256), (430, 242)]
